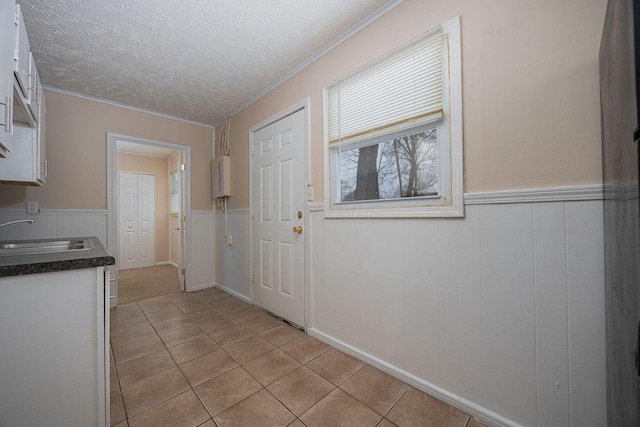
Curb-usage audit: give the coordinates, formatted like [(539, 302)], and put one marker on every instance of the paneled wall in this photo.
[(52, 223), (500, 313), (232, 261), (202, 251)]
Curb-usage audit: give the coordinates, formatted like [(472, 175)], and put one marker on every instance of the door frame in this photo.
[(112, 199), (304, 106)]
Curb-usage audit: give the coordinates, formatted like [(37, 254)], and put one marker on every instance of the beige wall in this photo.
[(77, 154), (530, 90), (158, 167)]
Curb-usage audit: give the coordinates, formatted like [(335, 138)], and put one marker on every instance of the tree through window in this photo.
[(405, 166)]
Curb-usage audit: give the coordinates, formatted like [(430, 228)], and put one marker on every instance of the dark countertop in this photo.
[(21, 264)]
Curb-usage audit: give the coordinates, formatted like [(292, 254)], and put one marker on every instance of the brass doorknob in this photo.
[(297, 229)]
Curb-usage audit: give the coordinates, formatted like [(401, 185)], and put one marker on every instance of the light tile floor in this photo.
[(208, 359)]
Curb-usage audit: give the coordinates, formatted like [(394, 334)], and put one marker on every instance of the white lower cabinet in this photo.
[(54, 349)]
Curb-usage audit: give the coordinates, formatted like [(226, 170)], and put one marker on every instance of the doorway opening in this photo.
[(148, 209)]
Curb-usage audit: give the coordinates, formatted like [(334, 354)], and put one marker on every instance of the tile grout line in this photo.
[(192, 387)]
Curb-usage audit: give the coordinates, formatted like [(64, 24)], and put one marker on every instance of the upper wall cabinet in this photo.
[(7, 35), (22, 55), (23, 110), (25, 75)]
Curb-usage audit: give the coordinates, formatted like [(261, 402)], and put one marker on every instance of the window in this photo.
[(175, 192), (393, 132)]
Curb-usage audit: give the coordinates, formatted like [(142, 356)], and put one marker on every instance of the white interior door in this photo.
[(146, 220), (136, 243), (278, 201), (128, 236)]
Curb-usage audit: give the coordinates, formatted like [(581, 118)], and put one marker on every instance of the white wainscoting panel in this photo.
[(232, 261), (50, 223), (500, 312), (202, 251)]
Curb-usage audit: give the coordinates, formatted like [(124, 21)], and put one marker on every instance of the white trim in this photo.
[(536, 195), (159, 263), (452, 399), (234, 293), (55, 212), (529, 195), (129, 107), (112, 192), (235, 211), (343, 38), (201, 287)]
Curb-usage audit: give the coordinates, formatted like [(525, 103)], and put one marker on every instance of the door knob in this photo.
[(297, 229)]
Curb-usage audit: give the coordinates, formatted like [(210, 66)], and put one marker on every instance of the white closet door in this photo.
[(128, 239), (136, 243), (146, 221)]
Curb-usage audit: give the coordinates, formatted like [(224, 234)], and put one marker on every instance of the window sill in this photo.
[(449, 211)]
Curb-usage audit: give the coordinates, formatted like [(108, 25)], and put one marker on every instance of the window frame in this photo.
[(449, 202)]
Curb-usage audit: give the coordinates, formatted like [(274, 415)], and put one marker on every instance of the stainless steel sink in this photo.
[(41, 247)]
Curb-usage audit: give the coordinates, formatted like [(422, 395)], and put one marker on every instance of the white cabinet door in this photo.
[(54, 361), (7, 36), (22, 55), (35, 89), (42, 136), (26, 163)]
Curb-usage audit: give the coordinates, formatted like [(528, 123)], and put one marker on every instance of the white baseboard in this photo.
[(431, 389), (165, 263), (201, 287), (234, 293)]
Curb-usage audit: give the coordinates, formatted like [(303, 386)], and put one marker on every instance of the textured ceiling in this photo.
[(195, 59)]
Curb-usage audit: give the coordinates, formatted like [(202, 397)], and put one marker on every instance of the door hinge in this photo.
[(184, 270), (253, 278), (182, 166), (252, 215), (252, 151), (184, 219)]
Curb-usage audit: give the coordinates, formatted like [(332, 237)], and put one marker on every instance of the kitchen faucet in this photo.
[(30, 221)]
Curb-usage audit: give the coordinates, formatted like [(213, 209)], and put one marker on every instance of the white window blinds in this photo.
[(402, 90)]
